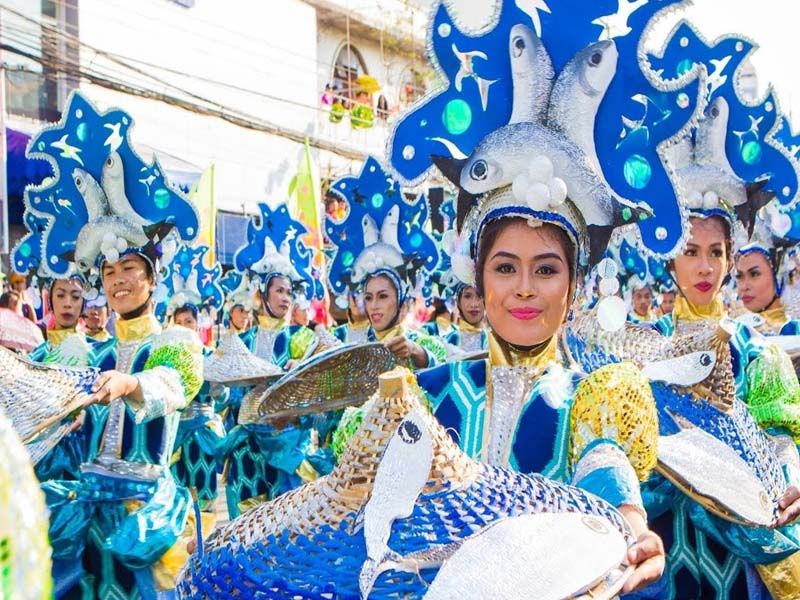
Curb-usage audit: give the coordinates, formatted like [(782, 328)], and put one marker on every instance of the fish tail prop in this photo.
[(366, 579)]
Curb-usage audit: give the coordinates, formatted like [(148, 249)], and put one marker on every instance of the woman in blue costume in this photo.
[(709, 557), (113, 529), (264, 461), (761, 277), (194, 464), (66, 346), (383, 251)]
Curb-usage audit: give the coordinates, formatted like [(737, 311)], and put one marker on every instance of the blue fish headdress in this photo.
[(275, 248), (733, 164), (103, 201), (382, 233), (239, 290), (551, 112), (190, 280)]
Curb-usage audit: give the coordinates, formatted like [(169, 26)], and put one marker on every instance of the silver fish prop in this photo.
[(533, 74), (402, 501), (709, 406)]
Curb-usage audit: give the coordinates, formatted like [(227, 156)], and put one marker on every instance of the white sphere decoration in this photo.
[(558, 191), (609, 286), (112, 255), (109, 238), (695, 199), (538, 196), (611, 313), (541, 169), (710, 200), (519, 187), (121, 245), (607, 269)]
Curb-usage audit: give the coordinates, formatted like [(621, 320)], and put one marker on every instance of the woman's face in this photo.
[(240, 319), (186, 318), (470, 305), (66, 296), (380, 300), (279, 296), (701, 269), (756, 282), (667, 302), (526, 281), (128, 284), (642, 301), (95, 318)]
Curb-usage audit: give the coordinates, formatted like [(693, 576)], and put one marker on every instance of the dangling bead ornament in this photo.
[(611, 311)]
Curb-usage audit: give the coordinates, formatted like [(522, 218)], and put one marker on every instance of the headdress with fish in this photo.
[(733, 165), (240, 290), (551, 113), (190, 281), (103, 201), (275, 249), (382, 233)]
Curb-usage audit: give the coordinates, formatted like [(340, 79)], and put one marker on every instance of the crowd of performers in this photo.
[(610, 329)]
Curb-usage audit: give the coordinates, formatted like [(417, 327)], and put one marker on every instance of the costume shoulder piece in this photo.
[(275, 247), (382, 232), (558, 100), (103, 200)]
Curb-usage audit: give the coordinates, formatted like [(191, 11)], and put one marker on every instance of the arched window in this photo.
[(412, 86), (348, 66)]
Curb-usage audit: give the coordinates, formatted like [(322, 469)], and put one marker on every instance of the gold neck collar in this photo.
[(503, 354), (360, 325), (687, 312), (390, 334), (57, 336), (271, 323), (466, 327), (131, 330), (775, 317), (100, 336)]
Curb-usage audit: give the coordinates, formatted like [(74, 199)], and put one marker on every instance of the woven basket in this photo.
[(232, 364)]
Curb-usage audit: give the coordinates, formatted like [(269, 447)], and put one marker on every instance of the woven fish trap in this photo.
[(232, 364), (310, 542), (336, 378), (37, 398)]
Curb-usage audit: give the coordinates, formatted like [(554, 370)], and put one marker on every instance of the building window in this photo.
[(412, 86), (348, 67), (39, 43)]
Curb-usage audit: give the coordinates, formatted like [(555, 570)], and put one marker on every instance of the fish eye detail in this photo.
[(409, 432), (705, 359), (518, 45), (595, 59), (713, 112), (479, 170)]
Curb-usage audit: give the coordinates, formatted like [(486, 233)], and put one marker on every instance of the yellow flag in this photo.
[(203, 198)]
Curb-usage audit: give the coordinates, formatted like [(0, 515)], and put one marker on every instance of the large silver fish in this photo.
[(90, 238), (577, 95), (712, 133), (509, 152), (114, 187), (532, 73), (93, 195)]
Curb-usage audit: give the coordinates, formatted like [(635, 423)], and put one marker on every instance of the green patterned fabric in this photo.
[(185, 362), (774, 393)]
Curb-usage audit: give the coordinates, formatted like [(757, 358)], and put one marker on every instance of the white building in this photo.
[(263, 64)]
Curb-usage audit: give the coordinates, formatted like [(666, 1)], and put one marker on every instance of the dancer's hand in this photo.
[(789, 505), (646, 555), (112, 385), (403, 349)]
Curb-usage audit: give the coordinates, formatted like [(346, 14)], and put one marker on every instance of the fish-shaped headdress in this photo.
[(103, 200), (382, 233), (190, 281), (240, 290), (275, 248), (550, 113), (732, 164)]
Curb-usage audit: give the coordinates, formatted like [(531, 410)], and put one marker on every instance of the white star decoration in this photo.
[(114, 140), (532, 8), (616, 25), (67, 151)]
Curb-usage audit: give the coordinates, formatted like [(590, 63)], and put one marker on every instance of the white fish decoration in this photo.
[(685, 370)]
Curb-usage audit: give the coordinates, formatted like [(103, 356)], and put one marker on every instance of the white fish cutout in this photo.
[(711, 469), (535, 556), (577, 95), (532, 73), (114, 186), (686, 370), (751, 320), (389, 228), (403, 471)]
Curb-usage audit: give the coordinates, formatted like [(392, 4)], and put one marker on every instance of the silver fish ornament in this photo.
[(577, 95), (114, 187), (90, 239), (711, 136), (402, 473), (509, 152), (532, 73), (93, 195)]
